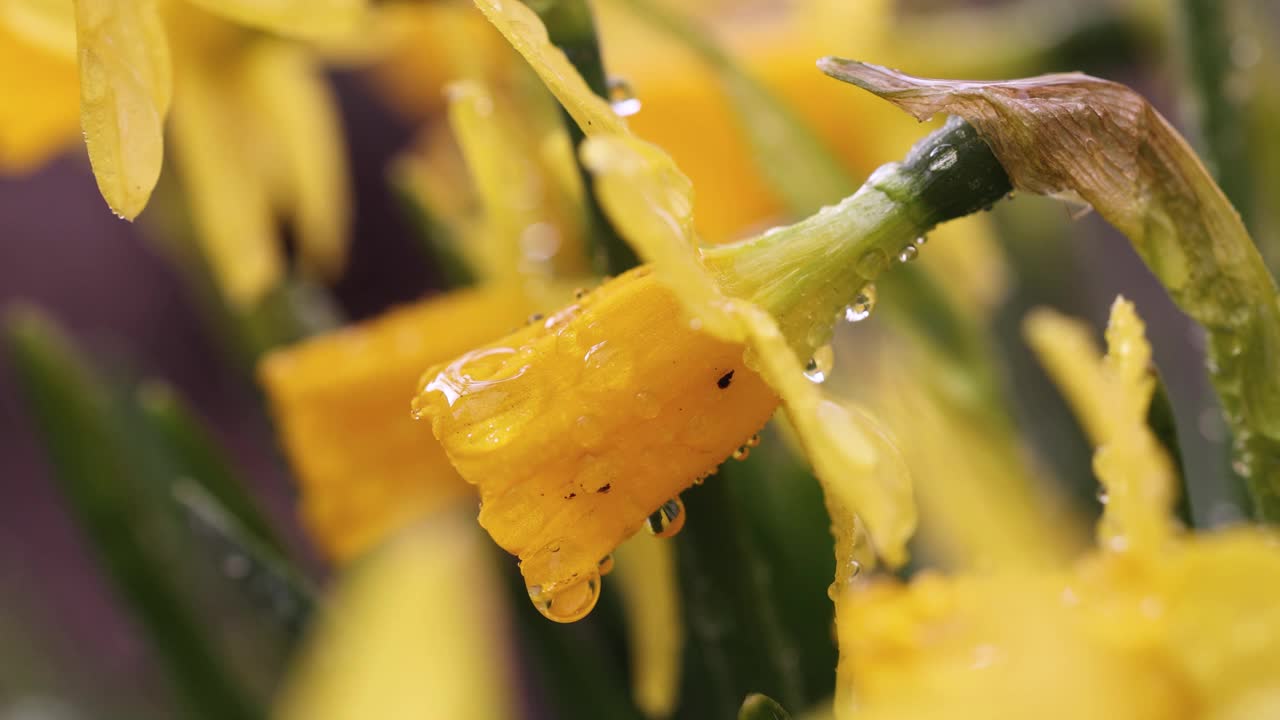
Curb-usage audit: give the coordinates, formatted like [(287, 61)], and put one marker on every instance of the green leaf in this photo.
[(1072, 134), (762, 707), (108, 487)]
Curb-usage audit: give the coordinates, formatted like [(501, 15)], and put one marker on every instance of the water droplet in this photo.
[(862, 305), (908, 254), (921, 241), (820, 364), (942, 158), (742, 453), (667, 520), (1102, 495), (606, 565), (753, 441), (872, 263), (569, 603), (622, 98)]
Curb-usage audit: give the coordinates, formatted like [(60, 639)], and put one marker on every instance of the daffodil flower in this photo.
[(580, 429), (254, 127), (1147, 625)]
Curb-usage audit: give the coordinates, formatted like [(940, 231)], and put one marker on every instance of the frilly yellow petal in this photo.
[(526, 33), (43, 116), (47, 24), (416, 630), (293, 100), (341, 403), (125, 85), (230, 200), (304, 18), (1112, 395), (646, 574)]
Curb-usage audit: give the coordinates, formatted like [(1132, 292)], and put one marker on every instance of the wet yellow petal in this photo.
[(47, 24), (341, 402), (125, 84), (293, 99), (42, 115), (650, 202), (414, 631), (1113, 395), (524, 30), (579, 426), (646, 574), (230, 201), (308, 18)]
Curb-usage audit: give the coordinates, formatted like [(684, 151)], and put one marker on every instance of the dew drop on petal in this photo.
[(570, 603), (820, 364), (622, 98), (753, 441), (742, 453), (862, 305), (667, 520)]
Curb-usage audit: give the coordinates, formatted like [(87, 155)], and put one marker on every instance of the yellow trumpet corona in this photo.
[(562, 484)]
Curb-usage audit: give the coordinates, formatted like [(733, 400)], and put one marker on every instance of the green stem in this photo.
[(571, 27)]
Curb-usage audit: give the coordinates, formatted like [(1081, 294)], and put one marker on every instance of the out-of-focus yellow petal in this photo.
[(125, 85), (581, 425), (293, 100), (230, 201), (341, 402), (306, 18), (646, 574), (524, 30), (41, 115), (47, 24), (414, 631), (977, 504), (1112, 395), (967, 262)]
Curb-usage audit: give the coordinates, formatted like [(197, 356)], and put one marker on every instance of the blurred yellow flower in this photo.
[(254, 126), (1152, 624)]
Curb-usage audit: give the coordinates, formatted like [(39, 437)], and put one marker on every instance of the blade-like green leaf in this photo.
[(105, 485), (1102, 142)]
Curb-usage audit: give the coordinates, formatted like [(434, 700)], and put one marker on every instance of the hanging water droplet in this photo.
[(942, 158), (820, 364), (753, 441), (862, 305), (742, 453), (872, 263), (908, 254), (667, 520), (921, 241), (622, 98), (569, 603), (606, 565), (1103, 496)]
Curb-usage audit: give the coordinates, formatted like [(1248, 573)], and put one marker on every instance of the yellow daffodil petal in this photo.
[(230, 202), (42, 115), (650, 202), (47, 24), (125, 85), (578, 427), (967, 262), (526, 33), (646, 574), (305, 18), (293, 99), (416, 630), (976, 497), (341, 402), (1112, 395)]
